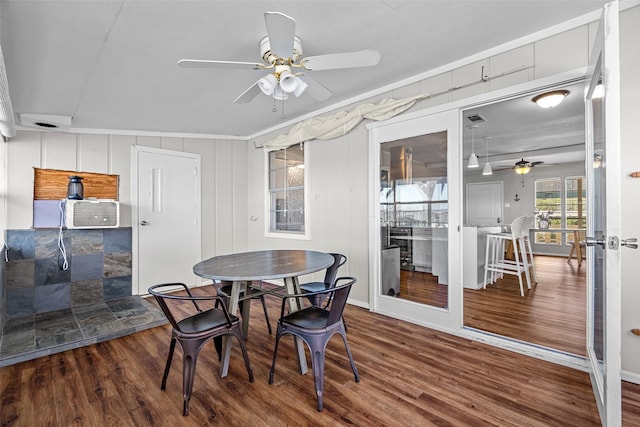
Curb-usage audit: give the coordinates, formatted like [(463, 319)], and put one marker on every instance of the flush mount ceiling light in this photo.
[(550, 99), (473, 159)]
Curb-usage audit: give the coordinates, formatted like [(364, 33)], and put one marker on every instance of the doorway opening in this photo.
[(550, 143)]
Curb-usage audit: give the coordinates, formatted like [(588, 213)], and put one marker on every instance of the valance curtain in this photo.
[(338, 124)]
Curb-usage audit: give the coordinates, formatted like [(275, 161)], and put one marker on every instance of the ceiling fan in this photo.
[(281, 52)]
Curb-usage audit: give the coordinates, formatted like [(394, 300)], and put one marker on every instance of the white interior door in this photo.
[(484, 204), (166, 217), (603, 211)]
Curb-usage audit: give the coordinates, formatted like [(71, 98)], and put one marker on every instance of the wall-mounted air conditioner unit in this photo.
[(92, 213)]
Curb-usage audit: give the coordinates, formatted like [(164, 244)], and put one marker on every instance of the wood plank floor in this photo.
[(551, 314), (410, 376)]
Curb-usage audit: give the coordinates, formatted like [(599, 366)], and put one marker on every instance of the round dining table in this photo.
[(273, 264)]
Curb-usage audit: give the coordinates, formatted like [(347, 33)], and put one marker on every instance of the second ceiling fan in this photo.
[(522, 167), (281, 52)]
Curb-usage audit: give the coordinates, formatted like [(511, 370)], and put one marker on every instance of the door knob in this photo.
[(144, 223), (613, 242)]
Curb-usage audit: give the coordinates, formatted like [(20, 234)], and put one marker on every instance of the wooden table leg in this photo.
[(292, 286)]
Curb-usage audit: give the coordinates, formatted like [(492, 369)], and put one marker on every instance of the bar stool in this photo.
[(495, 262), (528, 257)]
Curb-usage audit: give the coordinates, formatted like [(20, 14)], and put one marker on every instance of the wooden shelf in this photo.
[(51, 184)]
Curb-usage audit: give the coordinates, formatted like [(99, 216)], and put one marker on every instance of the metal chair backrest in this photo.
[(332, 271), (161, 296), (339, 299)]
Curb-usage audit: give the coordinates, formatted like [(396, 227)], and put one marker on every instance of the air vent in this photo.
[(45, 121), (476, 118)]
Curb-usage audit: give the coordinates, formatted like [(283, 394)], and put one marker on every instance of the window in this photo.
[(423, 202), (548, 199), (557, 209), (286, 190)]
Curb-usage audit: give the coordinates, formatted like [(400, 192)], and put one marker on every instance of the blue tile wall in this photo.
[(98, 268)]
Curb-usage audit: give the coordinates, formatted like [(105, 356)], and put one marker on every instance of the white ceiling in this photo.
[(112, 64), (519, 129)]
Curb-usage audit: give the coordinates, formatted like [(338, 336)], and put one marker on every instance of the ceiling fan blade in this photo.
[(205, 63), (332, 61), (316, 89), (248, 95), (536, 163), (281, 30)]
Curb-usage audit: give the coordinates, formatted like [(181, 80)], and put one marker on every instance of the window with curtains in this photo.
[(286, 190)]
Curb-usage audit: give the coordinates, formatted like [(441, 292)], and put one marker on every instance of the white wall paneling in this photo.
[(565, 51), (630, 162), (93, 153), (23, 154)]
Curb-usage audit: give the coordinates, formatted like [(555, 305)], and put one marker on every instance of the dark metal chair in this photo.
[(223, 288), (315, 326), (327, 283), (192, 331)]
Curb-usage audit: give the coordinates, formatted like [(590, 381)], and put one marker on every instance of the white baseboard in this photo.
[(630, 377)]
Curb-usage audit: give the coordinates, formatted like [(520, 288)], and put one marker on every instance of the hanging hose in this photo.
[(63, 251)]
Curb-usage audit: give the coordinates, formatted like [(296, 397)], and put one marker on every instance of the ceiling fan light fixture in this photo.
[(522, 167), (279, 94), (288, 82), (268, 84), (300, 88), (550, 99)]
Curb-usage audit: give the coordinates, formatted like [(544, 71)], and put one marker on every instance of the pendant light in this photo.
[(473, 159), (487, 166)]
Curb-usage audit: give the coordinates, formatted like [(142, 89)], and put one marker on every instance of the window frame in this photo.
[(288, 234), (560, 189), (565, 238)]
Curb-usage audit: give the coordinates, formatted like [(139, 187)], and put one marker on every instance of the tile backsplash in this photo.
[(47, 271)]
